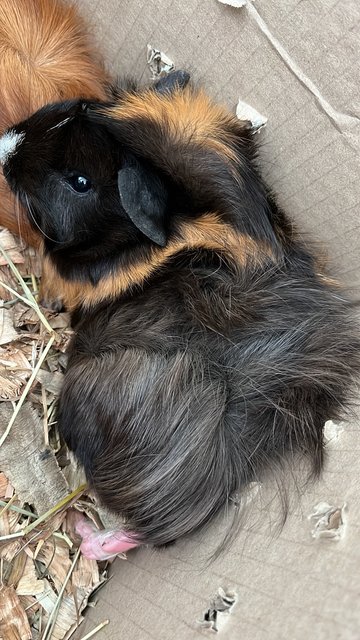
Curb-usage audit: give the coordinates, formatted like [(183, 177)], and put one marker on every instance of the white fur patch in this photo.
[(8, 143)]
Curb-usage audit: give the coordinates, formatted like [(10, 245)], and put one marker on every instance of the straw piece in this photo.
[(96, 630)]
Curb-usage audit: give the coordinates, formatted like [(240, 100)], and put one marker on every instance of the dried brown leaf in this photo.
[(31, 607), (3, 484), (15, 369), (10, 386), (14, 624), (54, 555), (16, 569), (29, 584), (7, 330), (12, 248), (86, 574), (52, 382), (25, 316), (28, 463), (59, 321)]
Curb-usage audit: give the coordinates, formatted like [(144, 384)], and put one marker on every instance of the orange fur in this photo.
[(187, 115), (45, 55), (207, 232)]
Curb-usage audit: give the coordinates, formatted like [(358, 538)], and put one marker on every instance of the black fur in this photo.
[(184, 389)]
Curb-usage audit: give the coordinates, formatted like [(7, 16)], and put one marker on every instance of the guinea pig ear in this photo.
[(171, 82), (143, 195)]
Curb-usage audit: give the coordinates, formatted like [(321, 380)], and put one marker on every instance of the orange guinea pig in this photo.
[(46, 55)]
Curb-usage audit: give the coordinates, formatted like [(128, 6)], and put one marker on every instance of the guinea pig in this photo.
[(209, 345), (45, 55)]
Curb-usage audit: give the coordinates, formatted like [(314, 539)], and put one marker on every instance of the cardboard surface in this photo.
[(298, 64)]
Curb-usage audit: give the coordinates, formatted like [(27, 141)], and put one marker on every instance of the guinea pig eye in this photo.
[(80, 184)]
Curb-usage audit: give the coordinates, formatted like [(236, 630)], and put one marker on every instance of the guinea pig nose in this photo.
[(8, 144)]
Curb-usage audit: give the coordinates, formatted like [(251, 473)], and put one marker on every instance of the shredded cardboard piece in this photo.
[(45, 583), (7, 330), (221, 606), (333, 430), (159, 63), (235, 3), (329, 522), (247, 495), (245, 112)]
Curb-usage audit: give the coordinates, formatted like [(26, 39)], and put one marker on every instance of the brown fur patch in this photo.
[(45, 56), (207, 232), (186, 116)]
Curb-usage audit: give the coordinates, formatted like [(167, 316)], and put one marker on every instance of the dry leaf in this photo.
[(7, 331), (11, 246), (32, 468), (15, 369), (29, 584), (3, 485), (52, 382), (59, 321), (14, 624), (54, 555), (16, 569), (86, 574), (27, 316), (8, 521), (30, 465)]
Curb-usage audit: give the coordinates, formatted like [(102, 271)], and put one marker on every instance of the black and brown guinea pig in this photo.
[(46, 54), (209, 344)]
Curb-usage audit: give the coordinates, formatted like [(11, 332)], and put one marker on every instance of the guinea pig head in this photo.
[(85, 191)]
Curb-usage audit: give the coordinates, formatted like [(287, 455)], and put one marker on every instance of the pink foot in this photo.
[(102, 544)]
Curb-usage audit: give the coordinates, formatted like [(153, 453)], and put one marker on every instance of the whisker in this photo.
[(35, 222)]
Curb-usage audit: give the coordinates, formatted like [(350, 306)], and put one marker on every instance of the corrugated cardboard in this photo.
[(297, 62)]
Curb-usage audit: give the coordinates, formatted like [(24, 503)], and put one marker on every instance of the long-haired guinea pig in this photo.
[(45, 55), (209, 346)]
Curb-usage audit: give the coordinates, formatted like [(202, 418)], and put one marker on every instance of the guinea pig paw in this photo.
[(52, 304), (102, 544), (84, 527)]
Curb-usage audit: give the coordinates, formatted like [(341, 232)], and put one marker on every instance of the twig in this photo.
[(19, 510), (7, 505), (31, 304), (54, 509), (53, 615), (94, 631)]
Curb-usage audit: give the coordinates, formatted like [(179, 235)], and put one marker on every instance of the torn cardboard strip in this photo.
[(343, 122), (329, 521)]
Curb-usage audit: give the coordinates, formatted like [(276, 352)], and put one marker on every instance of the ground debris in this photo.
[(45, 582)]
